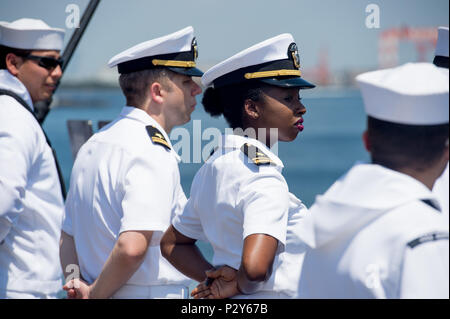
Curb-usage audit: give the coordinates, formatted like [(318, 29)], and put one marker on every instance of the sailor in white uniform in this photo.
[(125, 183), (379, 231), (31, 201), (441, 58), (240, 202)]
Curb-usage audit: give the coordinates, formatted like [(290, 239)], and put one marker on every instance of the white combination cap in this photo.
[(441, 53), (176, 51), (31, 34), (412, 94), (274, 61)]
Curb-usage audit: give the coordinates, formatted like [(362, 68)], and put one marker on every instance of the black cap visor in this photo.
[(288, 82), (441, 61), (186, 71)]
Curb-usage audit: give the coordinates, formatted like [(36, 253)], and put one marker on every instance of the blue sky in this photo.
[(227, 26)]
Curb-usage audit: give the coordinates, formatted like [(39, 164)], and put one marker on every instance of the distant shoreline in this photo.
[(88, 85), (108, 85)]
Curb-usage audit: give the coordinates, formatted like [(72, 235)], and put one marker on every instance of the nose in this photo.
[(196, 90), (300, 109), (56, 72)]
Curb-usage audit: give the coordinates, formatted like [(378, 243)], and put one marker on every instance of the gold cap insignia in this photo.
[(195, 48), (293, 51)]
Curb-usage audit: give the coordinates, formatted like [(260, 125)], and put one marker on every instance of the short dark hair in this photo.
[(4, 50), (134, 85), (229, 101), (399, 146)]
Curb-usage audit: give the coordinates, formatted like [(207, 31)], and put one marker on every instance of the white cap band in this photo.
[(179, 41), (31, 34), (413, 94), (275, 61)]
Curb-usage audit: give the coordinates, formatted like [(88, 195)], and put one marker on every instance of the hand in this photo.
[(223, 286), (201, 291), (77, 289)]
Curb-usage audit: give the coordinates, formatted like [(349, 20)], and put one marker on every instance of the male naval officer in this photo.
[(31, 202), (440, 188), (378, 232), (125, 184)]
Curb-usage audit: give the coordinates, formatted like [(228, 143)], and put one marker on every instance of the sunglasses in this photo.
[(46, 62)]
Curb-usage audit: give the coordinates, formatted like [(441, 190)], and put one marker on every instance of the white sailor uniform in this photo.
[(126, 178), (233, 197), (440, 189), (375, 234), (31, 203)]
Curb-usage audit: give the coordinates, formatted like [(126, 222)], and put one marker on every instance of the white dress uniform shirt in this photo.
[(440, 189), (122, 181), (375, 235), (31, 203), (232, 198)]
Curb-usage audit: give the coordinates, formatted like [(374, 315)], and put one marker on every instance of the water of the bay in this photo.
[(329, 145)]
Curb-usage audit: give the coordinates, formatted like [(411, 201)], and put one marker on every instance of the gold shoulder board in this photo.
[(156, 136), (256, 155)]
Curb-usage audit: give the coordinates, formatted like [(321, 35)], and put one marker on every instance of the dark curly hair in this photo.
[(229, 101)]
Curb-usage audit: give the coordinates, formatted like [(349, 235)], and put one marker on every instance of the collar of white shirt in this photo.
[(136, 114), (11, 83), (236, 141)]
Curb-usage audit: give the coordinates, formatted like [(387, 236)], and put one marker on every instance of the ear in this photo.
[(365, 138), (156, 92), (251, 109), (13, 63)]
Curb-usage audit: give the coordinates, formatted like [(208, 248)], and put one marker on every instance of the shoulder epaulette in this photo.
[(157, 137), (256, 155), (426, 238)]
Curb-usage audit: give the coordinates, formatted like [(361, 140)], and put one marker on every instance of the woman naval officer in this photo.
[(240, 201)]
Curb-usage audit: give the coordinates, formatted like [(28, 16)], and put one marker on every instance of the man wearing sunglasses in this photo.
[(31, 201)]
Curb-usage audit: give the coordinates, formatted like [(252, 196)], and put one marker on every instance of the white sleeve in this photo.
[(187, 221), (440, 189), (181, 202), (16, 145), (426, 271), (69, 210), (148, 194), (264, 201)]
